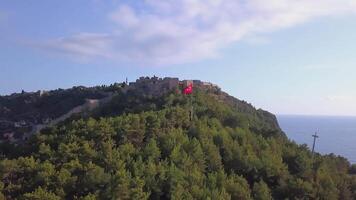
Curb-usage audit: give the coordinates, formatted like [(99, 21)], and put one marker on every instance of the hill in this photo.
[(141, 143)]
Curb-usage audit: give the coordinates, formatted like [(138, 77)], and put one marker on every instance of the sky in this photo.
[(284, 56)]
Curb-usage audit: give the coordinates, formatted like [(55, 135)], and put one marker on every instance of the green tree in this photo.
[(238, 188), (261, 191), (40, 194)]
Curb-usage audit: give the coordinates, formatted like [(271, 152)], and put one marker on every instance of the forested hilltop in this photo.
[(143, 145)]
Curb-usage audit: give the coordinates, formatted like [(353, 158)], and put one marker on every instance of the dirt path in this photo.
[(89, 105)]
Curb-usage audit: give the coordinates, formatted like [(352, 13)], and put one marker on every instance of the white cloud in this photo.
[(342, 99), (176, 31), (319, 67), (256, 40), (82, 46)]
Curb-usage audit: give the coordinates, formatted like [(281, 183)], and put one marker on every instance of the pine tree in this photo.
[(261, 191)]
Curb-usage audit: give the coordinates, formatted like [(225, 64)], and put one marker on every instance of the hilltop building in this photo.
[(155, 85), (151, 86)]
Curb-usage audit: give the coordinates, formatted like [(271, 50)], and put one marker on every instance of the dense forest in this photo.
[(32, 106), (146, 147)]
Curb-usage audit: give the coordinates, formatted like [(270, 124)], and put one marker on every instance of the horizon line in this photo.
[(314, 115)]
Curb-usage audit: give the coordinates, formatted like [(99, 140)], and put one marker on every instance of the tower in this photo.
[(314, 136)]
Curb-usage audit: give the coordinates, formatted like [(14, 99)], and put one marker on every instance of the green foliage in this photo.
[(143, 147), (52, 104), (238, 187), (40, 194), (261, 191)]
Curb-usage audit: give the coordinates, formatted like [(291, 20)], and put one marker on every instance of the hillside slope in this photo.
[(22, 113), (143, 146)]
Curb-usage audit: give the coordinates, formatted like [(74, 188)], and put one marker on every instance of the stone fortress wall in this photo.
[(147, 85), (154, 85)]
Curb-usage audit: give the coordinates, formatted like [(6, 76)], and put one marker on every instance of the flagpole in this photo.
[(188, 91), (191, 107)]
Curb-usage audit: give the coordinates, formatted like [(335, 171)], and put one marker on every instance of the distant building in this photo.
[(23, 123), (91, 104), (17, 124), (186, 83), (156, 86), (42, 92)]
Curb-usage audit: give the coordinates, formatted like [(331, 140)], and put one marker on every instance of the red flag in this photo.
[(188, 90)]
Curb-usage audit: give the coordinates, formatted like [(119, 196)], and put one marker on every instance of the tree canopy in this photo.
[(144, 147)]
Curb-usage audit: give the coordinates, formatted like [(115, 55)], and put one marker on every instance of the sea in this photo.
[(337, 134)]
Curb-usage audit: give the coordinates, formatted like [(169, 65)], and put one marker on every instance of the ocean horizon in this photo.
[(337, 134)]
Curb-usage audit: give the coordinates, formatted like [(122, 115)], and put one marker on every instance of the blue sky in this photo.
[(285, 56)]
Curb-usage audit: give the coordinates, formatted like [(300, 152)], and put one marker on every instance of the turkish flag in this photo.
[(188, 90)]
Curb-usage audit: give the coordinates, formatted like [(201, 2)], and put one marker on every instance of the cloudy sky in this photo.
[(286, 56)]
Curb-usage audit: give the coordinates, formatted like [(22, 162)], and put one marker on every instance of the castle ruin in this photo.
[(155, 86)]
